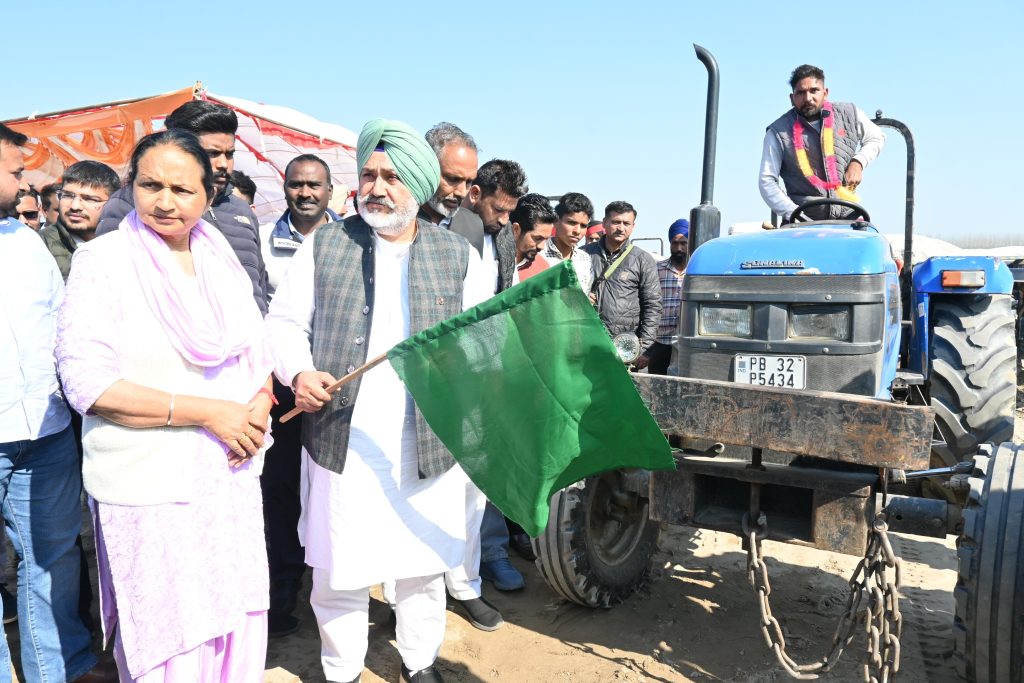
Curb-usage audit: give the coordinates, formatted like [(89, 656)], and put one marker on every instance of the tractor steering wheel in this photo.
[(859, 212)]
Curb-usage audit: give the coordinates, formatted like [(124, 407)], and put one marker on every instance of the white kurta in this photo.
[(489, 261), (377, 521)]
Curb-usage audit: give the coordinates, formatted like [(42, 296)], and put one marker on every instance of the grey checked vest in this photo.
[(847, 142), (343, 314)]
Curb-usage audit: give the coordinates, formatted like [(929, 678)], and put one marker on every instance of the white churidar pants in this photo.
[(463, 582), (343, 618)]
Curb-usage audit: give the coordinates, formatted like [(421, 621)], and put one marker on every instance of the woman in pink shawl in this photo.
[(161, 347)]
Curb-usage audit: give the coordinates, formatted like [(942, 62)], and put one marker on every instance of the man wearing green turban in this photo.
[(382, 498), (407, 151)]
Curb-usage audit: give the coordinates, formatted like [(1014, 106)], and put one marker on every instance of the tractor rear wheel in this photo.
[(599, 541), (988, 630), (973, 376)]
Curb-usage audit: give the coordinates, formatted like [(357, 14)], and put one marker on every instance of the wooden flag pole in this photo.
[(344, 380)]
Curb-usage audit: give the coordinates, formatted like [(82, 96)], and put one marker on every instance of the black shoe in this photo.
[(428, 675), (482, 614), (521, 544), (10, 605), (280, 624), (103, 672), (354, 680)]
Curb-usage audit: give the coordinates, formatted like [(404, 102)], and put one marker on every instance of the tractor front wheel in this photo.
[(599, 541)]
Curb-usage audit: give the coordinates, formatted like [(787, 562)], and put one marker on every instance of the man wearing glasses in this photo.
[(86, 189)]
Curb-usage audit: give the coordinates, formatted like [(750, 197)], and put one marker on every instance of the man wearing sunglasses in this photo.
[(27, 211), (86, 189)]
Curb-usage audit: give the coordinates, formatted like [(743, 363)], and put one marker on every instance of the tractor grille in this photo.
[(850, 366)]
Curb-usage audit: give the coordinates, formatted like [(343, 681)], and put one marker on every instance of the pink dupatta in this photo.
[(225, 322)]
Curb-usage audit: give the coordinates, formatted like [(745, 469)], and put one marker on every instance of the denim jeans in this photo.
[(41, 488), (493, 535)]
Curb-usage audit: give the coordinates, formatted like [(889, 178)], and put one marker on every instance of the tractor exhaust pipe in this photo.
[(908, 220), (706, 220)]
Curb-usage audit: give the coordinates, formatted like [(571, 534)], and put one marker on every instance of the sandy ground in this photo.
[(696, 620)]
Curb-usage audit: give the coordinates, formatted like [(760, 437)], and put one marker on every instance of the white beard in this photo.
[(389, 223)]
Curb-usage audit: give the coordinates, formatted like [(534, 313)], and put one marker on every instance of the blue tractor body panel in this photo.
[(815, 250), (893, 329), (928, 275), (928, 284)]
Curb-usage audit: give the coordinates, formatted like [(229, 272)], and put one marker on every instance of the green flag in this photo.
[(528, 393)]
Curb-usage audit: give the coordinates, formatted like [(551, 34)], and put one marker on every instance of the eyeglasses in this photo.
[(30, 215), (65, 196)]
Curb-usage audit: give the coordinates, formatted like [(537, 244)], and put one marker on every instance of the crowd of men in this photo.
[(511, 234)]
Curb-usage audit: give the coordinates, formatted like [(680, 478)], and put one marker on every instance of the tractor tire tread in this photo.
[(972, 377), (567, 564), (988, 628)]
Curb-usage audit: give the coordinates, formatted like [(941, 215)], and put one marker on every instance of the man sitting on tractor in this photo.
[(818, 149)]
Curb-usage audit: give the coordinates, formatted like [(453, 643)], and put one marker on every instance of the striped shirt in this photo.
[(671, 300)]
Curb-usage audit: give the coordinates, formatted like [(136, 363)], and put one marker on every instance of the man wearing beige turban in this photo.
[(382, 498)]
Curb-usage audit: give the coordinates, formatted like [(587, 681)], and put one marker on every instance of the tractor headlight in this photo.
[(819, 322), (725, 320)]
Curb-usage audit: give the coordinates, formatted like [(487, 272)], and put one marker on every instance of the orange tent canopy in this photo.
[(106, 133), (268, 138)]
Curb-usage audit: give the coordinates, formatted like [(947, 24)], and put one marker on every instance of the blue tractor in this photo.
[(826, 391), (823, 305)]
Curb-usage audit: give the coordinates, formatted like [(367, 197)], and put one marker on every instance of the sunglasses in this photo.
[(30, 215)]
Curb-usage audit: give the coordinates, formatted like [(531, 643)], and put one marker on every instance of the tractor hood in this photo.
[(814, 250)]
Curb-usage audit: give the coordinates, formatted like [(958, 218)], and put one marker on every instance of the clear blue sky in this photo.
[(604, 98)]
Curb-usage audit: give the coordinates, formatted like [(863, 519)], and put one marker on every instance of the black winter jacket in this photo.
[(58, 240), (630, 300), (229, 214)]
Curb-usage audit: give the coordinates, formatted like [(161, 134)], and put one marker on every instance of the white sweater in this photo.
[(111, 322)]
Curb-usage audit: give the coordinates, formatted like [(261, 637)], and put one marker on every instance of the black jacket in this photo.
[(505, 248), (629, 300), (229, 214), (469, 225), (465, 223), (60, 243)]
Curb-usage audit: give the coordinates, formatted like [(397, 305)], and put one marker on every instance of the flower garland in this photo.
[(828, 148)]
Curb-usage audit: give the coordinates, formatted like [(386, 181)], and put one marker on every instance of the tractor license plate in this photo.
[(770, 371)]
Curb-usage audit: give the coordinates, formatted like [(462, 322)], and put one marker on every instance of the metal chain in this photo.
[(873, 603)]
